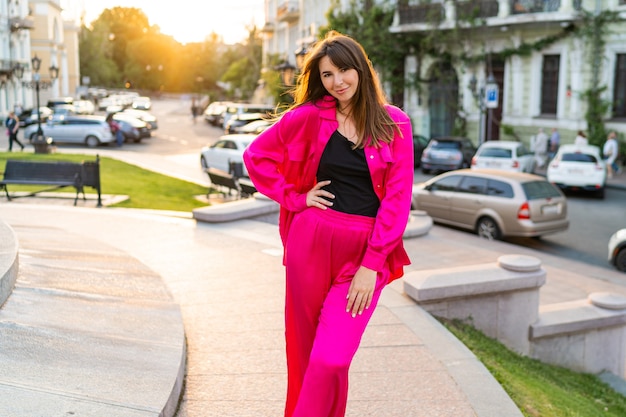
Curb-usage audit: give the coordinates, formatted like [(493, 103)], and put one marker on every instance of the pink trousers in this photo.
[(323, 252)]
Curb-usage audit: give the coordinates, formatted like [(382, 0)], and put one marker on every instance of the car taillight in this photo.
[(473, 160), (515, 164), (524, 211)]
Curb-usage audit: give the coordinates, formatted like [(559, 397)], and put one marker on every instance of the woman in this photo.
[(13, 126), (340, 164), (581, 139)]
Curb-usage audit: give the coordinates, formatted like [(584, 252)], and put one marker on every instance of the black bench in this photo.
[(54, 174), (242, 187), (221, 178), (246, 186)]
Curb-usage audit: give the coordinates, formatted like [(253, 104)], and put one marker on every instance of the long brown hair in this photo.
[(368, 104)]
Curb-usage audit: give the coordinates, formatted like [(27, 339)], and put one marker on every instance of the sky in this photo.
[(189, 20)]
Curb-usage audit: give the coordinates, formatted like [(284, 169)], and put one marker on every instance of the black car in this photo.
[(419, 144), (133, 129), (29, 116), (447, 153)]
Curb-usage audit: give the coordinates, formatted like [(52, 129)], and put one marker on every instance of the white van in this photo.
[(239, 108)]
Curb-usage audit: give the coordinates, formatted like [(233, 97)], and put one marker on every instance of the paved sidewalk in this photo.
[(102, 295), (95, 323), (87, 281)]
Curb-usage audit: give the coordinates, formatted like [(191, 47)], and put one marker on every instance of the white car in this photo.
[(228, 148), (504, 155), (617, 250), (141, 103), (578, 168)]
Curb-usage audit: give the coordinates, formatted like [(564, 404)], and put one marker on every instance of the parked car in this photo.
[(447, 153), (504, 155), (141, 103), (617, 250), (145, 116), (29, 116), (419, 144), (133, 129), (234, 109), (53, 102), (228, 148), (63, 110), (214, 113), (493, 203), (254, 127), (578, 168), (89, 130), (242, 119), (84, 107)]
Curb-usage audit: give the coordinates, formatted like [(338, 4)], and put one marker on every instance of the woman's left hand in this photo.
[(361, 291)]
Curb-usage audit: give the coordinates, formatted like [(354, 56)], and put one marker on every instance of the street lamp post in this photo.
[(40, 143)]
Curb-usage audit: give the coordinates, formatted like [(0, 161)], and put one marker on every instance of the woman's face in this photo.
[(340, 83)]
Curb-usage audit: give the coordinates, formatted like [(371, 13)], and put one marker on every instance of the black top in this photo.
[(350, 178)]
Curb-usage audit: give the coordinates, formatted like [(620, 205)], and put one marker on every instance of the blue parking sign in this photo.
[(491, 96)]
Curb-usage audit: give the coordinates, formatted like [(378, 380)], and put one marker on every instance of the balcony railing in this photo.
[(268, 28), (477, 9), (18, 23), (534, 6), (421, 13), (288, 11)]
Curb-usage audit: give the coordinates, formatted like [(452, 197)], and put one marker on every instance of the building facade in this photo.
[(530, 49), (36, 28)]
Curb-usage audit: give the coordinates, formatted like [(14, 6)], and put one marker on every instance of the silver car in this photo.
[(493, 203), (89, 130)]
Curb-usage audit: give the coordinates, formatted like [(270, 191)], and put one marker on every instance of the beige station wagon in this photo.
[(493, 203)]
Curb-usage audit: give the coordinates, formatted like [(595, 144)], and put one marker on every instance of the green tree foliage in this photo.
[(244, 68), (121, 45)]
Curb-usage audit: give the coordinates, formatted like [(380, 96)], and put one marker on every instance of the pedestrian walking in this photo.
[(12, 124), (555, 142), (609, 152), (116, 130), (340, 164), (540, 146)]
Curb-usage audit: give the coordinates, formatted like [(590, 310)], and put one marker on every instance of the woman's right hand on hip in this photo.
[(317, 197)]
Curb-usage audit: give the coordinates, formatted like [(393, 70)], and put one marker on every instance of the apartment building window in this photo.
[(550, 84), (619, 91)]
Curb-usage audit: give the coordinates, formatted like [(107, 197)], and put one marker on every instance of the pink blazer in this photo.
[(282, 163)]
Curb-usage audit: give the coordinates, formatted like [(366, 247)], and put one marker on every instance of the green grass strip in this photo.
[(146, 189), (539, 389)]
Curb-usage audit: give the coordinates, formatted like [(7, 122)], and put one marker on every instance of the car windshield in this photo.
[(536, 190), (445, 145), (496, 153), (578, 157)]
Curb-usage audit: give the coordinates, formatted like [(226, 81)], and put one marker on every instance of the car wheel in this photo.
[(600, 193), (488, 229), (203, 163), (92, 141), (425, 171), (620, 260), (137, 140)]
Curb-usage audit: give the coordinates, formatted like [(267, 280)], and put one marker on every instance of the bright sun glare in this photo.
[(190, 20)]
